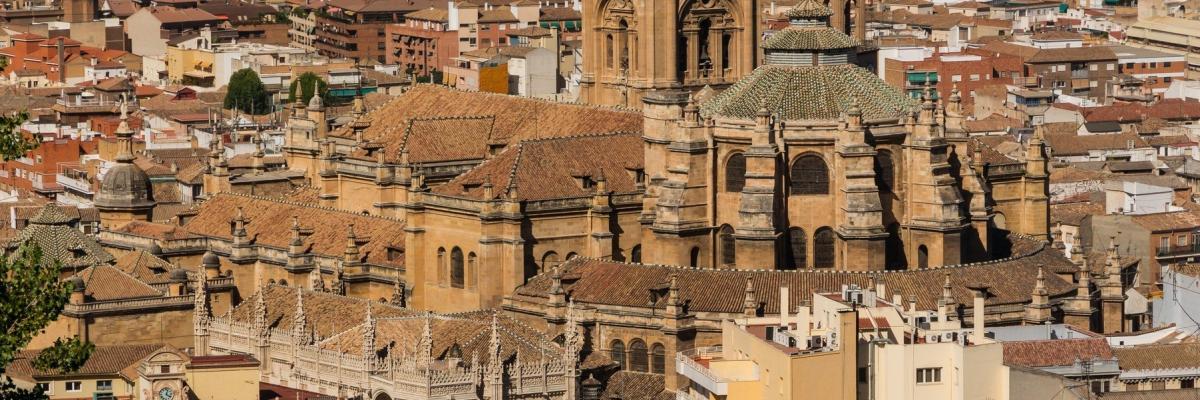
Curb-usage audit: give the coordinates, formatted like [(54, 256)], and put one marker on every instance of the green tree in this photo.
[(31, 296), (14, 144), (305, 82), (247, 93), (3, 62)]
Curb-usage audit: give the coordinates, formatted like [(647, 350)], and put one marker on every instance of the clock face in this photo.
[(166, 394)]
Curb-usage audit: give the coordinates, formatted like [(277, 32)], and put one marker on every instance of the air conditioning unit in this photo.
[(933, 339)]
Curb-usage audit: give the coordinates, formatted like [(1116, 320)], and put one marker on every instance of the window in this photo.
[(441, 265), (46, 387), (617, 353), (74, 386), (1158, 385), (799, 247), (974, 77), (823, 256), (658, 358), (1181, 240), (922, 257), (955, 78), (1108, 67), (1099, 387), (1164, 242), (929, 375), (1128, 65), (885, 171), (166, 369), (1187, 383), (1166, 64), (735, 173), (1093, 67), (638, 358), (728, 246), (456, 268), (1154, 65), (104, 385), (810, 175)]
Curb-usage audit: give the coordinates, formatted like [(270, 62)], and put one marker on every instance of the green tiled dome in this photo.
[(809, 93), (809, 9), (824, 38)]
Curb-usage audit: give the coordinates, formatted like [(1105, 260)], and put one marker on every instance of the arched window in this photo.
[(799, 247), (638, 358), (608, 53), (617, 353), (885, 171), (549, 261), (735, 173), (635, 255), (456, 268), (728, 246), (441, 266), (895, 259), (922, 257), (658, 358), (823, 249), (694, 256), (810, 175), (471, 270), (283, 282), (571, 255)]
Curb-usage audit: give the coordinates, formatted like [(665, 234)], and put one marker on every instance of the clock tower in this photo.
[(162, 376)]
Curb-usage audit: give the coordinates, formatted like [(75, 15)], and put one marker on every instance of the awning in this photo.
[(198, 74)]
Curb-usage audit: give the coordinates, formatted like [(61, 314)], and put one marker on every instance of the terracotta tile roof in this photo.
[(327, 314), (122, 8), (531, 31), (1057, 35), (559, 14), (268, 218), (721, 291), (1071, 144), (445, 139), (368, 6), (172, 15), (192, 174), (815, 93), (544, 169), (1192, 270), (246, 160), (993, 123), (1074, 213), (1170, 110), (108, 360), (146, 267), (1053, 353), (635, 385), (1159, 356), (429, 14), (60, 243), (515, 118), (989, 147), (1168, 221), (499, 14), (304, 194), (107, 283)]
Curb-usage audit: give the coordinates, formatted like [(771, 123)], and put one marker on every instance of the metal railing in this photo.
[(1178, 250)]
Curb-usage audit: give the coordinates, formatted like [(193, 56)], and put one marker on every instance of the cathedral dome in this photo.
[(125, 186), (808, 75)]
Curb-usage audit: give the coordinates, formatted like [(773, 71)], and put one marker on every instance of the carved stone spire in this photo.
[(398, 298), (572, 340), (201, 314), (495, 363), (260, 315), (750, 304), (299, 320), (351, 252), (425, 345), (1083, 287), (315, 281), (339, 279), (368, 342)]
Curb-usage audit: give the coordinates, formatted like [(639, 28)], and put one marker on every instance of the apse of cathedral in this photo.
[(812, 161)]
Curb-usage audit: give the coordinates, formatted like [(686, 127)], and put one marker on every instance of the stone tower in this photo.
[(633, 47), (125, 191)]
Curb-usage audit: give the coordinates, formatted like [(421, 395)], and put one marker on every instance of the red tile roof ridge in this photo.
[(536, 99), (307, 205), (989, 147), (1041, 246), (512, 174)]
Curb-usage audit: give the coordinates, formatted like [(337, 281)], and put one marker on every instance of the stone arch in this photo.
[(922, 257), (824, 249), (639, 356), (635, 255), (705, 29), (549, 261), (694, 257), (885, 171), (809, 175), (658, 358), (798, 247), (735, 172), (381, 395), (728, 246), (457, 268), (616, 350)]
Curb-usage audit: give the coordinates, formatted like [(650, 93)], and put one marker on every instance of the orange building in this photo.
[(60, 58)]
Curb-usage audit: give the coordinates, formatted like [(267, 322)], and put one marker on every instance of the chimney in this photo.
[(783, 306), (803, 319), (62, 69), (978, 315)]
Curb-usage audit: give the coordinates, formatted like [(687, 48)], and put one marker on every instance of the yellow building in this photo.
[(192, 65), (109, 371)]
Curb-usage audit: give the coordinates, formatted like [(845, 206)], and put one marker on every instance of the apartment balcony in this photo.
[(1026, 81), (1177, 251), (73, 184), (694, 364), (40, 186)]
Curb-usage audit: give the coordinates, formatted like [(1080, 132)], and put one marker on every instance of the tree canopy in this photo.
[(247, 93), (305, 82)]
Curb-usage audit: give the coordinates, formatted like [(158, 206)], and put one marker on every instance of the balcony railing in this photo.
[(686, 364), (77, 185), (1172, 251)]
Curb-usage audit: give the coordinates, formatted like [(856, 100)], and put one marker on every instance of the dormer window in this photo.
[(638, 175), (585, 182)]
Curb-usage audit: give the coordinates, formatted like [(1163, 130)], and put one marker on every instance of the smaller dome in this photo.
[(179, 275), (125, 186), (809, 9), (210, 259), (76, 282)]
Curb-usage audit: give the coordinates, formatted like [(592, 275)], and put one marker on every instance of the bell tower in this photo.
[(633, 47)]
